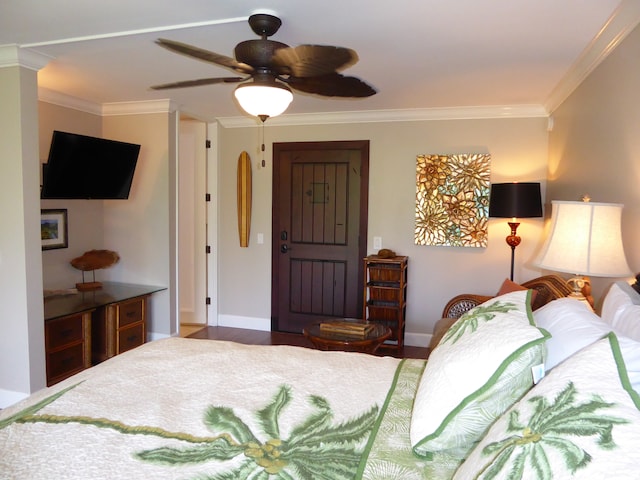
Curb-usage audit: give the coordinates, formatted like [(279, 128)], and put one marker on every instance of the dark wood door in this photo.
[(320, 199)]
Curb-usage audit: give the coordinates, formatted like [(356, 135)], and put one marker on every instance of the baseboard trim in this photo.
[(9, 397), (250, 323), (417, 339), (151, 336)]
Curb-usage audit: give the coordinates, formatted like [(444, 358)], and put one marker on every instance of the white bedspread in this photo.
[(187, 409)]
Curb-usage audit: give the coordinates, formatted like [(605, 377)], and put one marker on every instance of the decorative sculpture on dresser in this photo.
[(91, 261)]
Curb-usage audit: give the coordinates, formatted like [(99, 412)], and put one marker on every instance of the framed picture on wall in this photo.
[(53, 229)]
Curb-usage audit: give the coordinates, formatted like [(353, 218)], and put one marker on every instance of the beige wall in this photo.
[(85, 225), (595, 144), (142, 228), (55, 117), (519, 152), (22, 363)]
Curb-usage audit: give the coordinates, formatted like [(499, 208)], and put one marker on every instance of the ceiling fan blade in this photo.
[(204, 55), (332, 85), (198, 83), (313, 60)]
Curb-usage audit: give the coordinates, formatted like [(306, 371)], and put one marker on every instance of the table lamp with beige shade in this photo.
[(586, 241)]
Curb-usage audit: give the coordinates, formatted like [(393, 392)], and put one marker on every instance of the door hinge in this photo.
[(207, 197), (208, 301), (207, 144), (208, 249)]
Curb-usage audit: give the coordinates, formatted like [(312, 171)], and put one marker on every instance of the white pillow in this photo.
[(582, 421), (628, 322), (614, 299), (480, 368), (572, 326), (621, 310)]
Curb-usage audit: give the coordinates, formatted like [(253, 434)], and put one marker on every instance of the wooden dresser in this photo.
[(87, 328)]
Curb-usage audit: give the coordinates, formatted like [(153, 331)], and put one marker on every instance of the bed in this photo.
[(199, 409)]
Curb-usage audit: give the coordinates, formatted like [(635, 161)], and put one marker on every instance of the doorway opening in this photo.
[(192, 226)]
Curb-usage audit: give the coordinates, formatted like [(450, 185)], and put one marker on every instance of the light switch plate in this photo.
[(377, 243)]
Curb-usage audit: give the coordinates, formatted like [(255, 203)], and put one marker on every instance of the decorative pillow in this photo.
[(481, 367), (631, 353), (572, 326), (581, 421), (621, 310), (509, 286)]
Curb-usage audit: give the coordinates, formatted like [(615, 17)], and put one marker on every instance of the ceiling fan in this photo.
[(271, 69)]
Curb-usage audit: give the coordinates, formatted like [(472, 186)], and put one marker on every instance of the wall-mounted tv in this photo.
[(82, 167)]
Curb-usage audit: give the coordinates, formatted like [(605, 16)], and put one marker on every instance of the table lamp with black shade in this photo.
[(515, 200)]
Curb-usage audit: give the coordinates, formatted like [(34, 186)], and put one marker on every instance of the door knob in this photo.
[(284, 248)]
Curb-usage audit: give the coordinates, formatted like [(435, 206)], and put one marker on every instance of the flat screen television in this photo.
[(83, 167)]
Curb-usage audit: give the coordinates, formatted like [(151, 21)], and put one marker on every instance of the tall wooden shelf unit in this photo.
[(385, 294)]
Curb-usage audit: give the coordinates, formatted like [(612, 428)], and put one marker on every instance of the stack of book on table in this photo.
[(347, 328)]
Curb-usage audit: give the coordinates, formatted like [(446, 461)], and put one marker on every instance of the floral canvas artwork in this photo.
[(452, 199)]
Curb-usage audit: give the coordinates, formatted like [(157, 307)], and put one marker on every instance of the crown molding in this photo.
[(106, 109), (14, 56), (328, 118), (139, 108), (406, 115), (623, 20), (56, 98)]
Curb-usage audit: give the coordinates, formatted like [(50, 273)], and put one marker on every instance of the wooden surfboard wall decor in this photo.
[(244, 198)]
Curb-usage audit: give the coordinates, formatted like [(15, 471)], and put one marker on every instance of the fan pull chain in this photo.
[(263, 162)]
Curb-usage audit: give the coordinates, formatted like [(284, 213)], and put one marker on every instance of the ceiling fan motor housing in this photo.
[(257, 53)]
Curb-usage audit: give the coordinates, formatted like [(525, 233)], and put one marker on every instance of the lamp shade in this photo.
[(263, 99), (515, 200), (585, 239)]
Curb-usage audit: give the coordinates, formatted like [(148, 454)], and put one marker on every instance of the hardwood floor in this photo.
[(256, 337), (187, 329)]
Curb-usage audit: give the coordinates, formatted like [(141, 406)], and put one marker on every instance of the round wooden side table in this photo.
[(330, 340)]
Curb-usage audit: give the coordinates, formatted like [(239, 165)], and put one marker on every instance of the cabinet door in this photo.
[(130, 312), (67, 346), (62, 332), (130, 337), (64, 363)]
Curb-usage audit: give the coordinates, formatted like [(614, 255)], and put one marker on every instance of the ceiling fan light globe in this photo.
[(263, 100)]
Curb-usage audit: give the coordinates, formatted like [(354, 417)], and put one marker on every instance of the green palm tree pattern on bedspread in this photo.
[(316, 448), (470, 320), (550, 427)]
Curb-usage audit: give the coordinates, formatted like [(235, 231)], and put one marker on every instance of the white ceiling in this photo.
[(418, 54)]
